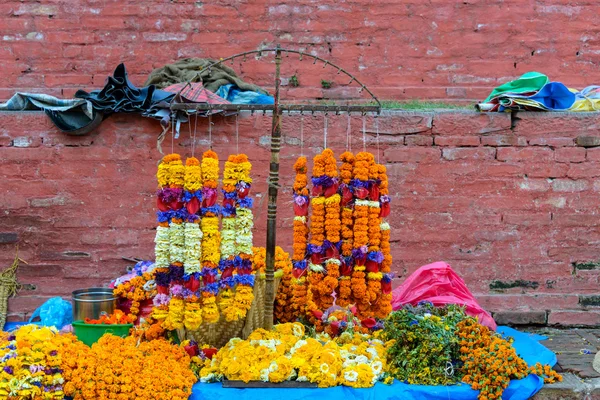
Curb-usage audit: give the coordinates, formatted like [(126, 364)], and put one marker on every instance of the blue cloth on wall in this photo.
[(527, 346), (234, 95)]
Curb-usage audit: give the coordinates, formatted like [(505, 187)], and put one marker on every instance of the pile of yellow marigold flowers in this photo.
[(286, 353)]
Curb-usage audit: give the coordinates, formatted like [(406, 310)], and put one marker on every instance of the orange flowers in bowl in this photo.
[(118, 317)]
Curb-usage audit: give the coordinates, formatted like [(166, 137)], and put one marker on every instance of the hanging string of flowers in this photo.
[(244, 222), (360, 184), (299, 262), (228, 233), (211, 236), (374, 256), (192, 195), (344, 291), (384, 302), (315, 248), (333, 226)]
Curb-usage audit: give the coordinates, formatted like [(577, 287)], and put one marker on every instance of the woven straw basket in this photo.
[(219, 333), (8, 288)]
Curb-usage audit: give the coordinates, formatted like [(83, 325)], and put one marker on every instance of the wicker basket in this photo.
[(8, 287), (219, 333)]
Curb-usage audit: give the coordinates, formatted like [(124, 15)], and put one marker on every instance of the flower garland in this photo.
[(138, 289), (315, 248), (166, 200), (299, 262), (244, 293), (228, 233), (374, 256), (384, 302), (333, 227), (344, 291), (192, 196), (30, 365), (211, 236), (362, 165)]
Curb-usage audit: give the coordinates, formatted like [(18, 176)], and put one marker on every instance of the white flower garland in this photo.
[(192, 249), (177, 242), (228, 238), (244, 222), (161, 249)]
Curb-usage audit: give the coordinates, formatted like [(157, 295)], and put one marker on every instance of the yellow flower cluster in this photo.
[(176, 171), (287, 354), (210, 169), (193, 175), (23, 362)]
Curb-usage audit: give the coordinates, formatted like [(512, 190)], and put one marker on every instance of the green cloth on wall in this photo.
[(528, 82)]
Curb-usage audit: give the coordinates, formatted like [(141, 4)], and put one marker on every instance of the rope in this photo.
[(325, 132)]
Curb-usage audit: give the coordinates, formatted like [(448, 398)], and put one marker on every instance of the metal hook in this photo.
[(351, 80), (301, 54), (326, 62), (339, 70), (314, 62)]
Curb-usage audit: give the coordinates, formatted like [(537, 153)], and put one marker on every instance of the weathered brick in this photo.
[(503, 140), (588, 141), (570, 154), (574, 318), (530, 154), (412, 154), (520, 317), (527, 219), (461, 124), (457, 141), (418, 140), (9, 237), (480, 153), (552, 141), (568, 185)]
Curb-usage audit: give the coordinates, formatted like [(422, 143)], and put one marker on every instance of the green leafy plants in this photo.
[(326, 84), (294, 81)]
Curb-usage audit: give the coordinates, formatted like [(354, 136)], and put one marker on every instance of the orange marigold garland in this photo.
[(315, 248), (211, 236), (360, 187), (344, 290), (384, 302), (333, 228), (299, 262), (374, 256)]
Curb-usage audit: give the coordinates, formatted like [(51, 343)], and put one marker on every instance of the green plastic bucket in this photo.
[(90, 333)]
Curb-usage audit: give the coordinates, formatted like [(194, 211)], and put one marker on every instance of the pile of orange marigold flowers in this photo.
[(124, 368), (490, 361)]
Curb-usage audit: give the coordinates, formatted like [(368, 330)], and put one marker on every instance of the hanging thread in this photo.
[(325, 132), (210, 131), (172, 133), (237, 134), (364, 120), (377, 137), (302, 134), (195, 130), (348, 140)]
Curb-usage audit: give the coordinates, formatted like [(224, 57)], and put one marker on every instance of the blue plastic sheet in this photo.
[(527, 346), (55, 312)]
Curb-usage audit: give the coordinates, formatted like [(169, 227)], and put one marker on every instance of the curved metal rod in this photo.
[(302, 54)]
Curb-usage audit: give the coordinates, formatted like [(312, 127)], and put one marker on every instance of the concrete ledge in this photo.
[(571, 387)]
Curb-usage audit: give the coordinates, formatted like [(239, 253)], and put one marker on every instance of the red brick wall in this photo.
[(402, 49), (505, 204)]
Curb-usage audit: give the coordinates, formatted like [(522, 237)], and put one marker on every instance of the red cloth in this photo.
[(196, 93), (439, 284)]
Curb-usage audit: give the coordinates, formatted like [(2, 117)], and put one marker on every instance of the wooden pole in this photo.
[(272, 208)]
